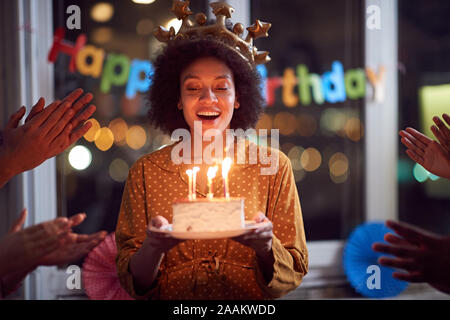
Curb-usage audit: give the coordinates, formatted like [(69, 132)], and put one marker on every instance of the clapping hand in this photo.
[(433, 156), (424, 256), (46, 132)]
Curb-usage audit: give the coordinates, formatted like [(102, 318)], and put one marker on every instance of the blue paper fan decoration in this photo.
[(361, 267)]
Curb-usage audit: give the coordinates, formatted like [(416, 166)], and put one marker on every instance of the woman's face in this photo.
[(208, 94)]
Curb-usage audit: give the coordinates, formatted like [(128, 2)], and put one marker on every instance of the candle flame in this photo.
[(212, 172)]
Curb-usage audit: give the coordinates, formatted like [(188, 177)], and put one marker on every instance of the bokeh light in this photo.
[(144, 1), (92, 132), (286, 122), (419, 173), (311, 159), (119, 129), (354, 129), (338, 164), (102, 12), (332, 120), (339, 179), (136, 137), (80, 157), (104, 139), (306, 125), (294, 156), (102, 35), (264, 122), (118, 170)]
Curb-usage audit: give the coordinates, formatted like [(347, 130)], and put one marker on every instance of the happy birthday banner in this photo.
[(119, 70)]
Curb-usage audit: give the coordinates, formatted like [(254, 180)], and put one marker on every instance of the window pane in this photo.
[(315, 90), (424, 92), (124, 31)]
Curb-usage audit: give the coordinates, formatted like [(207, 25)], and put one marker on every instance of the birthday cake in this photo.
[(208, 215)]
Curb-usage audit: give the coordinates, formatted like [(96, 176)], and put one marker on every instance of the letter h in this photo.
[(59, 45)]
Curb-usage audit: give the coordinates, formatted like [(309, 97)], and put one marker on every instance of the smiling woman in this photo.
[(205, 80)]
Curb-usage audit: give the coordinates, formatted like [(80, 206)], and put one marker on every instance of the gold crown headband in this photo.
[(217, 30)]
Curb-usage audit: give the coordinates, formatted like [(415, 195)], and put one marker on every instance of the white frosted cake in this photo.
[(208, 215)]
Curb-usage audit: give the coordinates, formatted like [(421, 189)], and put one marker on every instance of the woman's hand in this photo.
[(161, 242), (46, 133), (259, 239), (22, 249), (76, 245), (424, 256), (428, 153)]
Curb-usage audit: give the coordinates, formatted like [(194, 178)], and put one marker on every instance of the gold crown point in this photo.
[(262, 57), (259, 29), (200, 18), (221, 8), (181, 9), (164, 35), (218, 30), (238, 29)]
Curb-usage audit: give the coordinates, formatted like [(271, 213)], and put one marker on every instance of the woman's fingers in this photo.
[(15, 118), (420, 152), (83, 116), (411, 233), (415, 157), (410, 276), (55, 118), (418, 135), (77, 219), (414, 140), (446, 117), (406, 264), (77, 106), (38, 107), (73, 96), (18, 224), (399, 251), (442, 127), (78, 133), (445, 143)]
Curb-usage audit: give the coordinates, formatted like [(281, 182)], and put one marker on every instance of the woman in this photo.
[(208, 81)]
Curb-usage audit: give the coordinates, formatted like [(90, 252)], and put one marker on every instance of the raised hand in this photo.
[(424, 256), (75, 247), (22, 249), (441, 132), (428, 153), (46, 133)]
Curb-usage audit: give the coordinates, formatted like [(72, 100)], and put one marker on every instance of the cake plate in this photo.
[(189, 235)]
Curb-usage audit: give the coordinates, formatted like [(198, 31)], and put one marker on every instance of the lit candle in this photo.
[(226, 164), (189, 173), (194, 182), (211, 175)]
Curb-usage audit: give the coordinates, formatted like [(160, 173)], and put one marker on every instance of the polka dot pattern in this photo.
[(213, 269)]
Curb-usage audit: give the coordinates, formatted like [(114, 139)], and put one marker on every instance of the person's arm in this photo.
[(46, 133), (140, 251), (12, 281), (289, 250)]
